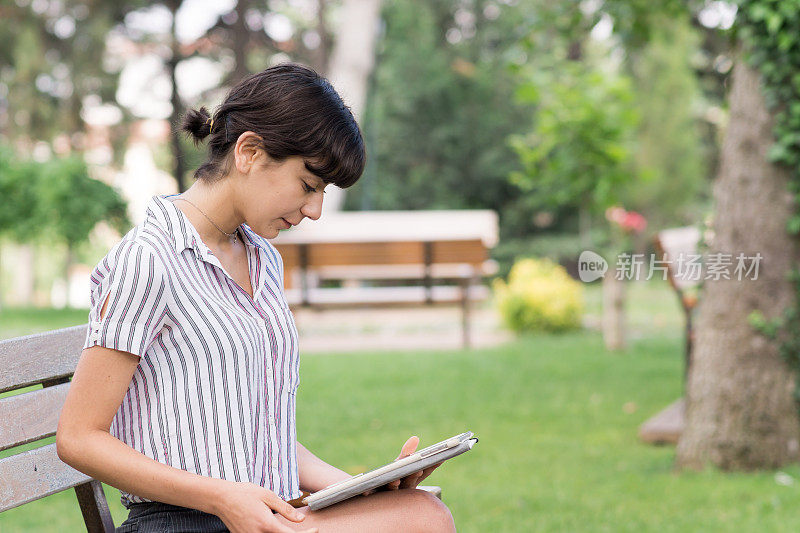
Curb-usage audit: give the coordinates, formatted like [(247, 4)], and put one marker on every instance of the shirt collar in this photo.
[(181, 232)]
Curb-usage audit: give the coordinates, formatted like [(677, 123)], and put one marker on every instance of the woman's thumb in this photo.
[(409, 447)]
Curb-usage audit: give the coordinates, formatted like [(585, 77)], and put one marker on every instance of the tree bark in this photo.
[(241, 39), (741, 414), (351, 63), (322, 55), (613, 311), (178, 157)]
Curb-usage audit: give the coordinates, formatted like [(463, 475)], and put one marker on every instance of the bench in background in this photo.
[(389, 258), (674, 245)]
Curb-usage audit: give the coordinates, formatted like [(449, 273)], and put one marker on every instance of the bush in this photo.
[(539, 296)]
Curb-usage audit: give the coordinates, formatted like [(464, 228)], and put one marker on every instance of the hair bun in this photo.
[(197, 124)]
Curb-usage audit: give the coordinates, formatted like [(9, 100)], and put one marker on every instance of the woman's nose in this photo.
[(313, 208)]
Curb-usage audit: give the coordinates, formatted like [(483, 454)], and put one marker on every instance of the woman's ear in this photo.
[(246, 151)]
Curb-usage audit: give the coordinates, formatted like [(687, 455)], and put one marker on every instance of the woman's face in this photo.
[(277, 195)]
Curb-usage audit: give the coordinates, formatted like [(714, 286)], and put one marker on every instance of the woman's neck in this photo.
[(217, 202)]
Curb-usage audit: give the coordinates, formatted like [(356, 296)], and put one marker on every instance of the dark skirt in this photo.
[(157, 517)]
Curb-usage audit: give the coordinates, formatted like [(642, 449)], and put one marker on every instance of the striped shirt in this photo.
[(214, 391)]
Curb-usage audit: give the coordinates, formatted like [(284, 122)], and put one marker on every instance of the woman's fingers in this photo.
[(409, 447), (284, 508), (427, 472), (411, 481)]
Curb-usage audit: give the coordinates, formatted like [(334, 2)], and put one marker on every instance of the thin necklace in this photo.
[(231, 236)]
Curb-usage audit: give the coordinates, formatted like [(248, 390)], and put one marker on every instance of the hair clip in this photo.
[(210, 121)]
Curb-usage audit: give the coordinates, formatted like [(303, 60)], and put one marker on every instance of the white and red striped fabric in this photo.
[(214, 391)]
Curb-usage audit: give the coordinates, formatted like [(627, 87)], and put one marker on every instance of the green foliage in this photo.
[(563, 248), (770, 34), (670, 159), (72, 203), (52, 60), (539, 296), (578, 151), (438, 111), (17, 196), (768, 328), (636, 21)]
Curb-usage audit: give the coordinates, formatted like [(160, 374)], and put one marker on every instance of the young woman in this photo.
[(184, 395)]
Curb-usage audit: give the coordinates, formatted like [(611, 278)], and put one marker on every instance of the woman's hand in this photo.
[(412, 480), (247, 508)]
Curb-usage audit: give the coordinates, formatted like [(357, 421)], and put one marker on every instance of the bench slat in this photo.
[(399, 253), (31, 416), (384, 295), (35, 358), (438, 271), (467, 251), (34, 474), (383, 253)]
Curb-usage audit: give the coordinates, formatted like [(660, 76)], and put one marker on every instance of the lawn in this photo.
[(557, 418)]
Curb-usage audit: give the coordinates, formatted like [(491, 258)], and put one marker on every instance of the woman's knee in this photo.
[(429, 513)]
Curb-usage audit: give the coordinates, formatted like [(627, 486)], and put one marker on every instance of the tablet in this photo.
[(419, 460)]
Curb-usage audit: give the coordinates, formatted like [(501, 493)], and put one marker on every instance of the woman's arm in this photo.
[(315, 474), (83, 440)]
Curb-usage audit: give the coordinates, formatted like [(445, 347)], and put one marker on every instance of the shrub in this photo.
[(539, 296)]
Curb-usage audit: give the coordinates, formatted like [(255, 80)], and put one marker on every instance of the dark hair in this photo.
[(296, 112)]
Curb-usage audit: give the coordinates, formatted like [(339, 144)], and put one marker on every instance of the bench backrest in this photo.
[(48, 359), (308, 256)]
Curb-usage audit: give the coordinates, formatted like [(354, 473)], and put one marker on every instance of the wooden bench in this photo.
[(47, 359), (673, 245), (388, 274), (390, 258)]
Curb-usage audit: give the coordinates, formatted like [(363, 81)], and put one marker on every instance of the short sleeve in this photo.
[(135, 283)]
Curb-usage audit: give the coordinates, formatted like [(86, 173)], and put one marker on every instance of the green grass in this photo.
[(557, 418), (18, 321)]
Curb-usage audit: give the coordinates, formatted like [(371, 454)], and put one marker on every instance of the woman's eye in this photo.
[(307, 188)]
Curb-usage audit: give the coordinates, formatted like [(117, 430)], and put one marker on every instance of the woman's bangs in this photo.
[(341, 164)]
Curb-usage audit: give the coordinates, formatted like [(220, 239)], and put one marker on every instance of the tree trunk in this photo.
[(741, 414), (585, 225), (241, 38), (178, 157), (613, 311), (322, 55), (351, 64)]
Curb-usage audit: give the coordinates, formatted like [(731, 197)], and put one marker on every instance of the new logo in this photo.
[(591, 266)]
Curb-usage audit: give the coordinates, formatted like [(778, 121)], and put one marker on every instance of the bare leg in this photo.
[(404, 510)]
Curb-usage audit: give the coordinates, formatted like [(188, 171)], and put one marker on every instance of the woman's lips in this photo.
[(288, 225)]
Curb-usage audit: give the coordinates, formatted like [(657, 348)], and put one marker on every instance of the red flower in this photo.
[(628, 221), (634, 222)]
